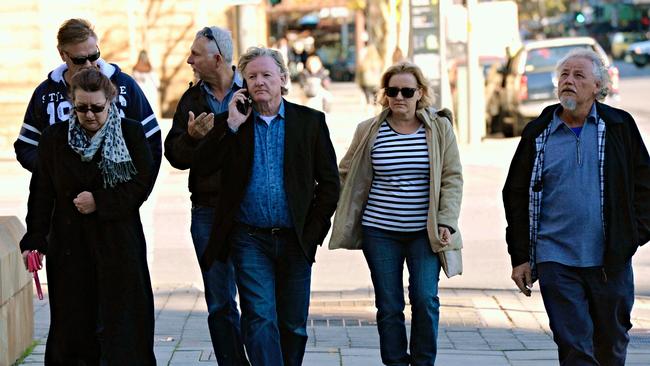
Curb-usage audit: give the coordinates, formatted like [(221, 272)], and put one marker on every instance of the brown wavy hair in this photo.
[(74, 31), (92, 80)]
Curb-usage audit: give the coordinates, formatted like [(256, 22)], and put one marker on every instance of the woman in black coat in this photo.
[(92, 175)]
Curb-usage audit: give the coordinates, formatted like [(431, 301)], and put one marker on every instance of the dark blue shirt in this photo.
[(571, 226), (265, 202)]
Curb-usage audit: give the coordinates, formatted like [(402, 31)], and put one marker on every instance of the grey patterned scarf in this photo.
[(116, 164)]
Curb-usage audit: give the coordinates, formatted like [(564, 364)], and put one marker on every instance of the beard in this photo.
[(568, 103)]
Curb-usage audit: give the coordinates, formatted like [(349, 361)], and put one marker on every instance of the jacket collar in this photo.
[(608, 114), (536, 126), (426, 115), (106, 68)]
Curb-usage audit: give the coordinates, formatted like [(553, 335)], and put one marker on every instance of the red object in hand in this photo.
[(33, 265)]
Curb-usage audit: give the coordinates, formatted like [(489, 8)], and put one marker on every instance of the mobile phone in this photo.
[(242, 107)]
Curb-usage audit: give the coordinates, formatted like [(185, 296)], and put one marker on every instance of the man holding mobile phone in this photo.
[(278, 190), (211, 60)]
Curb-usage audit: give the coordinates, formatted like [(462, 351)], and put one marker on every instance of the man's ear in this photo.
[(598, 86), (218, 58), (61, 53)]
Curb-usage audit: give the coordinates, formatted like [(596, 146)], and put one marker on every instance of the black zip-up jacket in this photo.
[(627, 188), (180, 146)]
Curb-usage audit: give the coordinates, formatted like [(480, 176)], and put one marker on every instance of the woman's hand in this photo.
[(26, 254), (85, 203), (445, 235)]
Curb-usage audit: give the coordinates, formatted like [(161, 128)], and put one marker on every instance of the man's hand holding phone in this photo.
[(239, 109)]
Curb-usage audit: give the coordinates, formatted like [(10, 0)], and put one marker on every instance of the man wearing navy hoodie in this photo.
[(78, 48)]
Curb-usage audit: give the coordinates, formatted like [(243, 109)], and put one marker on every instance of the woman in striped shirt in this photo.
[(402, 187)]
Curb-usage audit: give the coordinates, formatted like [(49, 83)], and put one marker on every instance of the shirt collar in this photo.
[(279, 115), (237, 82), (557, 121)]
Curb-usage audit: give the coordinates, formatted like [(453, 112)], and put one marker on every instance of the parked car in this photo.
[(620, 41), (529, 83), (638, 53)]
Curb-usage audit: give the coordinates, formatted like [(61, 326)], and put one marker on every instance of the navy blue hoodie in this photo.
[(50, 105)]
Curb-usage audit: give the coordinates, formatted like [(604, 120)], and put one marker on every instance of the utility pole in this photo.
[(475, 87), (247, 33)]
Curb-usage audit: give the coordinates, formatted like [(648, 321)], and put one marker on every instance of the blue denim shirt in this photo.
[(265, 202), (571, 227), (215, 104)]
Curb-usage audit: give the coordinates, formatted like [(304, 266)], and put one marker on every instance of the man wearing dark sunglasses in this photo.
[(78, 48), (211, 60)]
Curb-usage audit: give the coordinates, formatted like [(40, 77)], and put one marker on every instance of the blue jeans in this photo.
[(273, 276), (589, 312), (220, 292), (385, 252)]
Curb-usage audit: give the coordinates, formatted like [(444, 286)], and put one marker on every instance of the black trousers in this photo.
[(589, 312)]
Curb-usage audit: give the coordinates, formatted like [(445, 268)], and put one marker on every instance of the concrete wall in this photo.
[(16, 294)]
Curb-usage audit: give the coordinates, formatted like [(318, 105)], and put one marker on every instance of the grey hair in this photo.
[(224, 38), (255, 52), (598, 68)]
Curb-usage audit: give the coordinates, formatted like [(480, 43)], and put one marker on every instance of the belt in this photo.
[(265, 230)]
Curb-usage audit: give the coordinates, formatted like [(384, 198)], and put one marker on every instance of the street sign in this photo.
[(425, 47)]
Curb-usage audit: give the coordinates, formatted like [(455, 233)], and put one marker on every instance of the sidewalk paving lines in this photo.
[(477, 327)]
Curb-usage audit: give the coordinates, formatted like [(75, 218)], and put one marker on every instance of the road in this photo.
[(166, 214)]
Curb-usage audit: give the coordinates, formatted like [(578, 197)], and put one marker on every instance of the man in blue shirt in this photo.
[(577, 202), (211, 60), (78, 47), (278, 189)]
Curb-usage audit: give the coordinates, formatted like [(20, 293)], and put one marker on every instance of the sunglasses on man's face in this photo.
[(82, 59), (392, 91), (207, 33), (84, 108)]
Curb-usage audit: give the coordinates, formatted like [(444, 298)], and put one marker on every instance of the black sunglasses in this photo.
[(392, 91), (207, 33), (82, 60), (84, 108)]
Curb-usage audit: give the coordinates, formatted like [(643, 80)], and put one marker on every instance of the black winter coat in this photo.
[(627, 188), (180, 146), (101, 303)]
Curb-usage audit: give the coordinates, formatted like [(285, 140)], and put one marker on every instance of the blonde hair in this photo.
[(255, 52), (405, 67)]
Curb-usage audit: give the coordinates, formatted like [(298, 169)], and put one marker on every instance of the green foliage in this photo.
[(25, 354), (542, 8)]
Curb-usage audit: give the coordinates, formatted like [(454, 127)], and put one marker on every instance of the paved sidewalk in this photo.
[(477, 327)]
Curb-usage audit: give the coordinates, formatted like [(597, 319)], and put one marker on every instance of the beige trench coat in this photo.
[(445, 190)]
